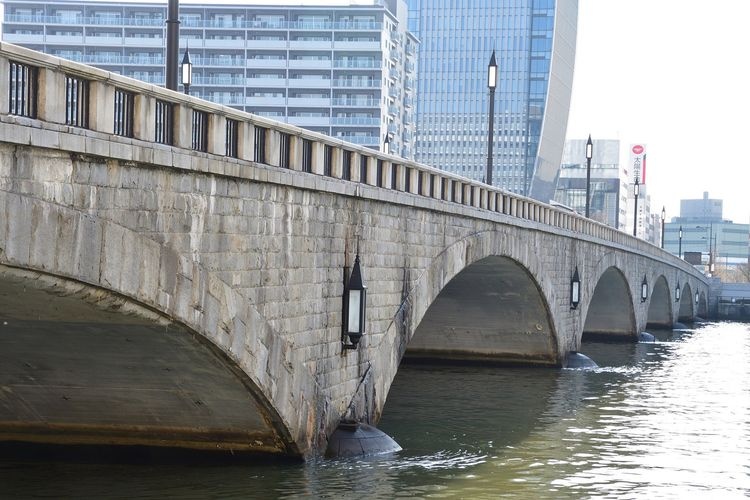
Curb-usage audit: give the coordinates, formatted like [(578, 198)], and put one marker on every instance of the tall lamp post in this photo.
[(173, 42), (491, 83), (589, 154), (636, 191), (663, 217), (680, 247)]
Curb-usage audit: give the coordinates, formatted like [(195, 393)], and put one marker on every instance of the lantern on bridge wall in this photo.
[(644, 289), (575, 290), (677, 292), (355, 303)]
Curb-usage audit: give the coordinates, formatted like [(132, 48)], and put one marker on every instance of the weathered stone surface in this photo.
[(254, 266)]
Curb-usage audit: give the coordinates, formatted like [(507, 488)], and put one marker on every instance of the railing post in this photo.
[(295, 152), (246, 141), (273, 145), (337, 162), (183, 126), (144, 121), (51, 97), (217, 134), (318, 157), (102, 107), (4, 86)]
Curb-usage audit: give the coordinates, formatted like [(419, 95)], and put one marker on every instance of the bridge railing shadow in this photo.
[(97, 106)]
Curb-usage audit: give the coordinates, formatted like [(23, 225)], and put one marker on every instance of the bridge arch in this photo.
[(169, 285), (702, 305), (492, 309), (660, 305), (686, 310), (610, 311)]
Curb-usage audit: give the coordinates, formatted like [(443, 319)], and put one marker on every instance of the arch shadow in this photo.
[(492, 310), (83, 365), (610, 314), (702, 305), (686, 311), (660, 305)]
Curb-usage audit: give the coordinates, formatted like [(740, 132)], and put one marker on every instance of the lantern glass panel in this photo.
[(355, 301)]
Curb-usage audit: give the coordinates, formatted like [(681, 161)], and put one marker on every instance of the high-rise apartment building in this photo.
[(534, 41), (346, 71), (608, 191)]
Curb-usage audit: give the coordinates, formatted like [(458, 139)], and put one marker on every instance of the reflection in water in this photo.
[(667, 419)]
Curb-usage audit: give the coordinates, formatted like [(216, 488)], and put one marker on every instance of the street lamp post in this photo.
[(680, 247), (589, 154), (636, 191), (173, 42), (491, 83), (663, 217)]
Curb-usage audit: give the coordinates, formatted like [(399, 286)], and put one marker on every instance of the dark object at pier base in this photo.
[(577, 360), (646, 337), (354, 439)]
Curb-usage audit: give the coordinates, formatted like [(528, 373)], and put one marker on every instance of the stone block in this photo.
[(43, 233), (19, 224), (88, 245)]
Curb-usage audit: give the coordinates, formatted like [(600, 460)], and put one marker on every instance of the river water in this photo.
[(669, 419)]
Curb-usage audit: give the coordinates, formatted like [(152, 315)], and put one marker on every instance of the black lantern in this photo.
[(575, 290), (387, 144), (589, 155), (644, 289), (697, 296), (186, 71), (663, 218), (677, 292), (491, 84), (355, 295)]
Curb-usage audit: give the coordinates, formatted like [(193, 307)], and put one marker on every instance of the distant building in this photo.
[(346, 71), (608, 190), (704, 230), (534, 42)]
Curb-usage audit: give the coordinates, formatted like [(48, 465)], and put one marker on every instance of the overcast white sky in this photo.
[(675, 75)]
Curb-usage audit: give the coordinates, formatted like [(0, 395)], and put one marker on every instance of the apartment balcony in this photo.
[(266, 82), (351, 83), (309, 83), (104, 41), (359, 121), (65, 39), (309, 64), (20, 38), (310, 44), (309, 102), (362, 140), (309, 121), (357, 45), (221, 81), (219, 61), (358, 26), (222, 43), (355, 64), (226, 100), (265, 63), (142, 42), (348, 102), (266, 44), (265, 101)]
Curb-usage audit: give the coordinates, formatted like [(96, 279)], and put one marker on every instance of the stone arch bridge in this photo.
[(172, 271)]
